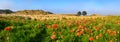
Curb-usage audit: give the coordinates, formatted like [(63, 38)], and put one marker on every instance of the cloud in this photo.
[(6, 4)]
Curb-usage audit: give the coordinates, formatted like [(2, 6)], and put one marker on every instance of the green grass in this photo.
[(67, 30)]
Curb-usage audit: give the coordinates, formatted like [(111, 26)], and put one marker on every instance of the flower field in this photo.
[(20, 29)]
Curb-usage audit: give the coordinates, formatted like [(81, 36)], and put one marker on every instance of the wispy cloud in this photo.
[(6, 4)]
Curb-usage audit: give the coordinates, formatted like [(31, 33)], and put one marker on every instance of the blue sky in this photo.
[(103, 7)]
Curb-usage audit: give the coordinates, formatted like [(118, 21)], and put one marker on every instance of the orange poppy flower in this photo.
[(96, 28), (110, 41), (78, 30), (114, 33), (82, 31), (71, 31), (90, 31), (91, 38), (55, 26), (78, 22), (78, 34), (100, 35), (53, 33), (80, 27), (108, 31), (53, 37), (8, 28)]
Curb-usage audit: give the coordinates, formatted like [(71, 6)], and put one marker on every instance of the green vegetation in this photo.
[(32, 12), (6, 11), (84, 13), (19, 29), (79, 13)]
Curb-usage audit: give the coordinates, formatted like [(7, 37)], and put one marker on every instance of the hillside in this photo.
[(33, 12)]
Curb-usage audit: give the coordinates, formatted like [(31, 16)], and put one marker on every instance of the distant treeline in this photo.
[(79, 13), (8, 11)]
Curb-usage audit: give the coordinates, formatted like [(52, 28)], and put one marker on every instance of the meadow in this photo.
[(60, 29)]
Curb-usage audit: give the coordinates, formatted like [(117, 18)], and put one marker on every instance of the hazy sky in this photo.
[(65, 6)]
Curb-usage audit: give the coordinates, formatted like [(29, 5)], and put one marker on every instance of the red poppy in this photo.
[(53, 33), (78, 22), (96, 28), (90, 31), (53, 37), (80, 27), (55, 26), (108, 31), (91, 38), (71, 31), (110, 41), (78, 34), (100, 35), (82, 31), (8, 28), (114, 33)]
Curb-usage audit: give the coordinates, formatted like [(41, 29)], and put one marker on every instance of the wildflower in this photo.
[(100, 35), (110, 41), (71, 31), (96, 28), (109, 31), (90, 31), (79, 27), (114, 33), (97, 37), (8, 28), (78, 22), (91, 38), (82, 31), (53, 37), (78, 34), (78, 30), (53, 33), (55, 26)]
